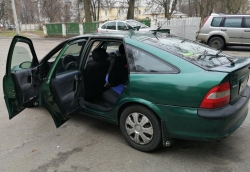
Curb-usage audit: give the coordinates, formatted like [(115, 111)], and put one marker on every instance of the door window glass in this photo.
[(141, 61), (233, 22), (121, 26), (216, 21), (70, 58), (247, 22), (112, 26), (21, 54)]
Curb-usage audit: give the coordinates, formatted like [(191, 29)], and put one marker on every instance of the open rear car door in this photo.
[(20, 83)]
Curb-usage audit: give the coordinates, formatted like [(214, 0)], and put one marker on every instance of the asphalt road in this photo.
[(30, 142)]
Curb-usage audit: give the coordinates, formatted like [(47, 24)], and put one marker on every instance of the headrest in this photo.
[(99, 54), (121, 49)]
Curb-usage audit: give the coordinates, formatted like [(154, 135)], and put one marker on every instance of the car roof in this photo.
[(231, 15)]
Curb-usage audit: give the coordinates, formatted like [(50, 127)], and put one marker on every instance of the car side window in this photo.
[(233, 22), (216, 21), (111, 26), (121, 26), (247, 22), (142, 61)]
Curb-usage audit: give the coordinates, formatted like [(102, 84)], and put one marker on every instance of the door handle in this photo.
[(247, 30), (77, 79), (223, 29)]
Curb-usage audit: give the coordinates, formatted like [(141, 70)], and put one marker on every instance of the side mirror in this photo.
[(25, 65)]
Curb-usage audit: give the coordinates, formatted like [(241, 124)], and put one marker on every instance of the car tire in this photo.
[(217, 43), (136, 119)]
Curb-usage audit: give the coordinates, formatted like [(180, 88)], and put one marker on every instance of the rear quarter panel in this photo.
[(186, 88)]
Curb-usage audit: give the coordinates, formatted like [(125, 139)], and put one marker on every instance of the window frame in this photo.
[(123, 23), (175, 69), (244, 21)]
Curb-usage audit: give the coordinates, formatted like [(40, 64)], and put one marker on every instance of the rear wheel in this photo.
[(140, 128), (217, 43)]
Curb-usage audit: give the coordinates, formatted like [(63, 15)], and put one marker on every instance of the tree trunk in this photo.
[(87, 11), (169, 9), (189, 8), (131, 9), (98, 10)]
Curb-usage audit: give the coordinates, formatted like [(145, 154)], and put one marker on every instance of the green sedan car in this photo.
[(155, 86)]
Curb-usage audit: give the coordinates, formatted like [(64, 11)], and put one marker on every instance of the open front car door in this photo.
[(20, 83), (62, 91)]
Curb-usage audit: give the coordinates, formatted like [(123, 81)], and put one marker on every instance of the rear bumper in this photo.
[(228, 111), (199, 124), (201, 37)]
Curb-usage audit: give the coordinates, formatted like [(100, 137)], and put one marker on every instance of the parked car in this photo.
[(156, 87), (219, 30), (122, 26), (12, 27)]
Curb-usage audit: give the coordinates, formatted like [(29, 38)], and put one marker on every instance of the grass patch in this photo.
[(8, 33), (38, 32), (12, 33)]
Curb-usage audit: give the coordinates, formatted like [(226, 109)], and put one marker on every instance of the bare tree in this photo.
[(235, 6), (205, 7), (5, 11), (167, 5), (52, 10), (87, 5)]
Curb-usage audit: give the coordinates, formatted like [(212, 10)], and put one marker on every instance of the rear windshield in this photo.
[(198, 54)]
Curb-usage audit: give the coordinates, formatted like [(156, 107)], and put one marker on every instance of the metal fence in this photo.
[(90, 27), (72, 29), (185, 28), (146, 22), (54, 29)]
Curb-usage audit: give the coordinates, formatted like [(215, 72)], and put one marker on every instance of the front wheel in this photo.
[(140, 128), (217, 43)]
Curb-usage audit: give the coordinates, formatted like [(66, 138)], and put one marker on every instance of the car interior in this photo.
[(105, 73)]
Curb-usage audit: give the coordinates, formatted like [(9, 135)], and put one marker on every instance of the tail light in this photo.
[(204, 21), (96, 30), (217, 97)]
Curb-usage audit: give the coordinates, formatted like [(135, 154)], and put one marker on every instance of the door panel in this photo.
[(19, 82), (66, 88), (25, 86), (233, 29)]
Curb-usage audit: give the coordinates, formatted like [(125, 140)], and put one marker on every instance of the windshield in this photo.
[(196, 53), (136, 23)]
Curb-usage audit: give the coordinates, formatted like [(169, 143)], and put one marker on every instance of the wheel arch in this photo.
[(149, 105), (216, 36)]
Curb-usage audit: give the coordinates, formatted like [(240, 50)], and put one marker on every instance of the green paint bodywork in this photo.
[(174, 98)]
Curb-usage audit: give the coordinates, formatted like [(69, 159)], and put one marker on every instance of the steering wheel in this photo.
[(71, 66), (66, 61)]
